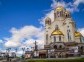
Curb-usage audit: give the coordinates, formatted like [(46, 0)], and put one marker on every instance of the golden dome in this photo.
[(78, 34), (57, 32), (60, 8)]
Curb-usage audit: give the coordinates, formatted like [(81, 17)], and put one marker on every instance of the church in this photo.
[(61, 37)]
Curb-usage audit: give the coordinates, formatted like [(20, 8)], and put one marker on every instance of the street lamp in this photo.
[(16, 52), (23, 49), (7, 52)]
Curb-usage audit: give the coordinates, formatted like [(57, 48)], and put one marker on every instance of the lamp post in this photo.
[(16, 52), (8, 51), (32, 49), (23, 49)]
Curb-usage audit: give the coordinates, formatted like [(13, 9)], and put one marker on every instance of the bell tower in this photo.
[(59, 13), (47, 29)]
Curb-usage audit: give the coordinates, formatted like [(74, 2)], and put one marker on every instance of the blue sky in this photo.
[(21, 13), (18, 13)]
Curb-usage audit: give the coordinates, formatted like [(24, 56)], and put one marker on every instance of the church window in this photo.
[(81, 47), (61, 13), (55, 46), (59, 38), (80, 39), (60, 46), (66, 15), (58, 14), (54, 39), (68, 34), (70, 37), (68, 26), (46, 37), (55, 15)]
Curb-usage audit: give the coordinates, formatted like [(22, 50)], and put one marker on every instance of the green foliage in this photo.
[(63, 60)]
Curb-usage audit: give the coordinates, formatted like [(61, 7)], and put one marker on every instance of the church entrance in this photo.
[(42, 55)]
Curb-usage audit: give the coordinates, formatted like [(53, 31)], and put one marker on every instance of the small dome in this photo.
[(78, 34), (56, 32), (48, 19), (67, 12), (59, 8)]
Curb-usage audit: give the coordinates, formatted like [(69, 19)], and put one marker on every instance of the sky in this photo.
[(22, 21)]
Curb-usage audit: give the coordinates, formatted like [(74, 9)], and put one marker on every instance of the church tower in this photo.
[(47, 29)]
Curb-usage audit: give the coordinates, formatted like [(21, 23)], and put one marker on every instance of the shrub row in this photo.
[(68, 60)]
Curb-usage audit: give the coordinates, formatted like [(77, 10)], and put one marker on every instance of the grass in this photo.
[(55, 60)]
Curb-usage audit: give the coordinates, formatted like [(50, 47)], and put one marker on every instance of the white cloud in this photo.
[(56, 3), (23, 34), (70, 6), (20, 52), (50, 15), (77, 2), (12, 44), (81, 30), (1, 41), (30, 43)]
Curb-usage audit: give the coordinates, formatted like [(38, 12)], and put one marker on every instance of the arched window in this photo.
[(61, 13), (60, 46), (81, 47), (55, 46), (66, 15), (54, 39), (80, 39), (58, 13), (55, 15), (47, 37), (59, 38), (68, 33)]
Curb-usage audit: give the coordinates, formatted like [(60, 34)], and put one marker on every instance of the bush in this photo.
[(67, 60)]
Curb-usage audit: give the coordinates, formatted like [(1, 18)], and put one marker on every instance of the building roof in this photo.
[(57, 32), (78, 34), (59, 8)]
